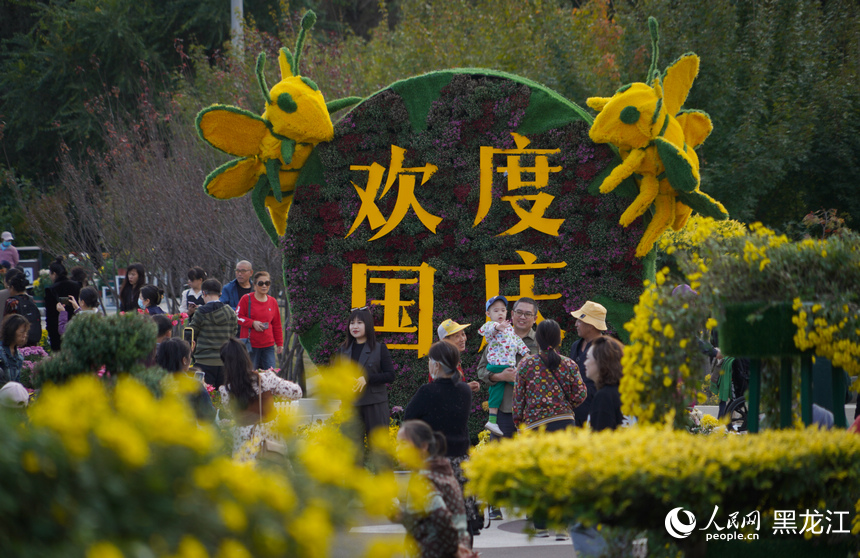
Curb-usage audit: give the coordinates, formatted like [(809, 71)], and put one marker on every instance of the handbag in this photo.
[(247, 340), (270, 450)]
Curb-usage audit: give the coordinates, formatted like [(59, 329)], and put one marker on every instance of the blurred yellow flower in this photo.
[(104, 549)]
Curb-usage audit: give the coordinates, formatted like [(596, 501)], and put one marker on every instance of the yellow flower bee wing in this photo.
[(232, 130), (258, 199), (696, 125), (597, 103), (678, 81), (703, 204), (233, 179), (680, 171)]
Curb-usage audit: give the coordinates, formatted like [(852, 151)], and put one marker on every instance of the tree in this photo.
[(87, 50), (779, 80), (142, 200)]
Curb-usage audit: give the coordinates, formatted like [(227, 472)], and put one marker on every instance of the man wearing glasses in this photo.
[(233, 291)]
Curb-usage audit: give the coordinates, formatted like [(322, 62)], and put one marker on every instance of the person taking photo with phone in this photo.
[(213, 324), (62, 287), (260, 321)]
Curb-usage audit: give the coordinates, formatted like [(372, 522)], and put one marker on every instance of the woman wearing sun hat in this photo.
[(590, 325)]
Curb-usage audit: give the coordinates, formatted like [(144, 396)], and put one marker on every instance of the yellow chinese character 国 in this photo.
[(395, 317), (405, 195), (529, 217)]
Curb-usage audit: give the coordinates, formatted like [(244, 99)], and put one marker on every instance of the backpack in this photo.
[(24, 305)]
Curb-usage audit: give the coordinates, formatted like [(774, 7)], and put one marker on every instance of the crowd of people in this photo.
[(235, 331), (233, 355), (531, 386)]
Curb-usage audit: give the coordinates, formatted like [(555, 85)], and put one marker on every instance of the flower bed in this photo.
[(634, 476), (112, 470)]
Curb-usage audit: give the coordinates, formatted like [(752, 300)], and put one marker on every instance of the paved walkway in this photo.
[(502, 539)]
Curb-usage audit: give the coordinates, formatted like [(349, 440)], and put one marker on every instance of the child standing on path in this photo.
[(503, 345)]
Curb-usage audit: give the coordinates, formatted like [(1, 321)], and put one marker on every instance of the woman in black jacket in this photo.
[(62, 287), (603, 365), (361, 346)]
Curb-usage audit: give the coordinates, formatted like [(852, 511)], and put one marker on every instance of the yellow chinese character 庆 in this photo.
[(395, 318), (526, 280), (529, 217), (405, 195)]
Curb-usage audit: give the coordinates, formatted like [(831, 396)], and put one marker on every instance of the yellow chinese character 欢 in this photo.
[(526, 280), (529, 217), (395, 318), (405, 195)]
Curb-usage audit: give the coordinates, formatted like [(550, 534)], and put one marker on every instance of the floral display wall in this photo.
[(442, 190)]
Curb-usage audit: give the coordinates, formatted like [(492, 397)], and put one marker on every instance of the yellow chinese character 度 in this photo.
[(395, 318), (529, 217), (405, 195)]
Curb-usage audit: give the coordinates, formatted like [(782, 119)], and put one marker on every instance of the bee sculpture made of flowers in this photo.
[(656, 142), (271, 148)]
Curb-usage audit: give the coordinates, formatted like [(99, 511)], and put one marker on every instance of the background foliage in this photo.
[(777, 77)]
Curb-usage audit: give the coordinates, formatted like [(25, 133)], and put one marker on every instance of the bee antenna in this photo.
[(308, 21), (653, 27), (261, 78)]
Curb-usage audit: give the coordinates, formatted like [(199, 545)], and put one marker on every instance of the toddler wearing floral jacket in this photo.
[(503, 346)]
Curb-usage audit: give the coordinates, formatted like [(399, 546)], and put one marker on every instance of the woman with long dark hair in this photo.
[(62, 288), (129, 293), (251, 395), (548, 389), (13, 335), (174, 356), (362, 347), (549, 386)]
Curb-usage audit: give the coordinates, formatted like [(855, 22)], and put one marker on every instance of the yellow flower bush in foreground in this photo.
[(633, 477), (105, 471)]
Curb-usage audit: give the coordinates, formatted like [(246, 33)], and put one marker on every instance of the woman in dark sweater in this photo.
[(129, 293), (603, 365), (361, 346), (62, 287), (445, 404)]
